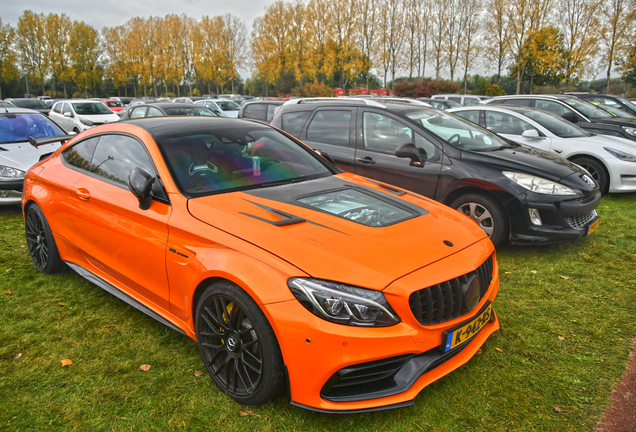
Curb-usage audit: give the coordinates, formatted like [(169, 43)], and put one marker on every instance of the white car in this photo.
[(79, 115), (223, 107), (17, 155), (610, 160)]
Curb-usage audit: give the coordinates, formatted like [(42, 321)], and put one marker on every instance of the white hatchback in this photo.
[(610, 160), (79, 115)]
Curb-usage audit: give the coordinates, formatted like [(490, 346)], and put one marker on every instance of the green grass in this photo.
[(522, 373)]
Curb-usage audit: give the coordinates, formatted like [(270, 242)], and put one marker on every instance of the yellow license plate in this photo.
[(593, 227), (459, 335)]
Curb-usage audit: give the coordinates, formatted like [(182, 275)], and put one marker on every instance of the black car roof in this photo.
[(161, 127)]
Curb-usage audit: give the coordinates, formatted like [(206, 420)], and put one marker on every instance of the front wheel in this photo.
[(596, 170), (489, 215), (237, 345)]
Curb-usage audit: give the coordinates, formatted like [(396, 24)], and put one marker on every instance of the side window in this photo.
[(505, 123), (138, 112), (80, 154), (383, 134), (67, 108), (552, 107), (331, 127), (58, 108), (470, 101), (428, 150), (455, 98), (154, 112), (610, 102), (256, 111), (522, 102), (293, 122), (117, 155), (271, 110), (471, 116)]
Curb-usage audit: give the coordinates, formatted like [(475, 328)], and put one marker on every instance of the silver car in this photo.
[(17, 155)]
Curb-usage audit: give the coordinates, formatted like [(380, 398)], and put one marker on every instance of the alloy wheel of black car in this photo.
[(40, 242), (487, 213), (237, 345), (596, 170)]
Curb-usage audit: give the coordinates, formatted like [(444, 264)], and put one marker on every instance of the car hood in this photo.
[(327, 246), (23, 155), (526, 160), (100, 118)]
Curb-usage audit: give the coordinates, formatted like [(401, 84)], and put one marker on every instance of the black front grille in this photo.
[(444, 302)]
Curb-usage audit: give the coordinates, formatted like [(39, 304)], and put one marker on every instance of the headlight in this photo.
[(621, 155), (343, 304), (12, 173), (538, 184), (629, 130), (86, 122)]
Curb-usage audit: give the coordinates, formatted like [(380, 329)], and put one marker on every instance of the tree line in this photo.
[(297, 44)]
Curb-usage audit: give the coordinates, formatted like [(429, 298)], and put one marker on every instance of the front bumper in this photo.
[(562, 218), (10, 197), (315, 350)]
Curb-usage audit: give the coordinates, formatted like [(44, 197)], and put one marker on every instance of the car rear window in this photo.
[(19, 127)]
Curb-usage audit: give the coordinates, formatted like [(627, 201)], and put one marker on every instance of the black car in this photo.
[(611, 100), (514, 192), (580, 112), (442, 104), (161, 109), (262, 110), (31, 103)]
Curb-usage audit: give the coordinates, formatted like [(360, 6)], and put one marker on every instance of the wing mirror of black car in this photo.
[(531, 133), (140, 184), (571, 117), (410, 151)]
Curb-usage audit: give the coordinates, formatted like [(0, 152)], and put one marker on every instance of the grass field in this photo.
[(563, 346)]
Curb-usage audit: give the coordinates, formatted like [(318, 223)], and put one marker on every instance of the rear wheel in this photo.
[(40, 242), (237, 345), (596, 170), (489, 215)]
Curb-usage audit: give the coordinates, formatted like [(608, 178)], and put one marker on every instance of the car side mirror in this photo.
[(531, 133), (411, 152), (140, 184), (68, 114), (571, 117)]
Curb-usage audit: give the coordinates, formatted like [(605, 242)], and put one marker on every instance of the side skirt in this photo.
[(111, 289)]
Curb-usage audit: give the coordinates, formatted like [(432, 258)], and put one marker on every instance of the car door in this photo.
[(115, 236), (331, 130), (512, 127), (67, 122), (380, 134)]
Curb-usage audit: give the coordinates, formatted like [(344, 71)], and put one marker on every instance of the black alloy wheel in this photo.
[(237, 345), (40, 242), (596, 170)]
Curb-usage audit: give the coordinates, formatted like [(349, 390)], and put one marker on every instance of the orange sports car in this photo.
[(350, 294)]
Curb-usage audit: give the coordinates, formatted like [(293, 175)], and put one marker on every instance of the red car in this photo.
[(114, 105)]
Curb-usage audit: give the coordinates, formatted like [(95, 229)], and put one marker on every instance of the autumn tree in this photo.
[(8, 68), (320, 33), (439, 22), (343, 18), (115, 49), (496, 34), (618, 20), (545, 59), (455, 33), (369, 18), (31, 45), (578, 23), (84, 55), (299, 41), (58, 28), (412, 25), (469, 49), (393, 37)]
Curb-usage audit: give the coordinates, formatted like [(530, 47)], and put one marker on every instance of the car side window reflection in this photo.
[(80, 154), (117, 155), (383, 134), (154, 112), (505, 124), (331, 127)]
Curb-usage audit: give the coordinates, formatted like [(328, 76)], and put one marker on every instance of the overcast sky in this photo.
[(114, 13)]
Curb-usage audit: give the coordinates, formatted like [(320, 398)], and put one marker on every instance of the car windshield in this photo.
[(557, 125), (456, 131), (222, 160), (190, 111), (617, 112), (588, 109), (228, 105), (114, 104), (19, 127), (96, 108), (30, 103)]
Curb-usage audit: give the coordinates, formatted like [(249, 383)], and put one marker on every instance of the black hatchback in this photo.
[(513, 192)]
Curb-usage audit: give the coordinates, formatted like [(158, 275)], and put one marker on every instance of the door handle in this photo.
[(366, 160), (83, 193)]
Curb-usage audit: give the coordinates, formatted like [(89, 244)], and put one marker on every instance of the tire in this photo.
[(488, 213), (597, 171), (41, 243), (237, 345)]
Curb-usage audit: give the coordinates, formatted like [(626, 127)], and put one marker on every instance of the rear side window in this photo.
[(552, 107), (471, 101), (505, 124), (256, 111), (455, 99), (138, 112), (331, 127), (80, 154), (271, 110), (154, 112), (472, 116), (293, 122)]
